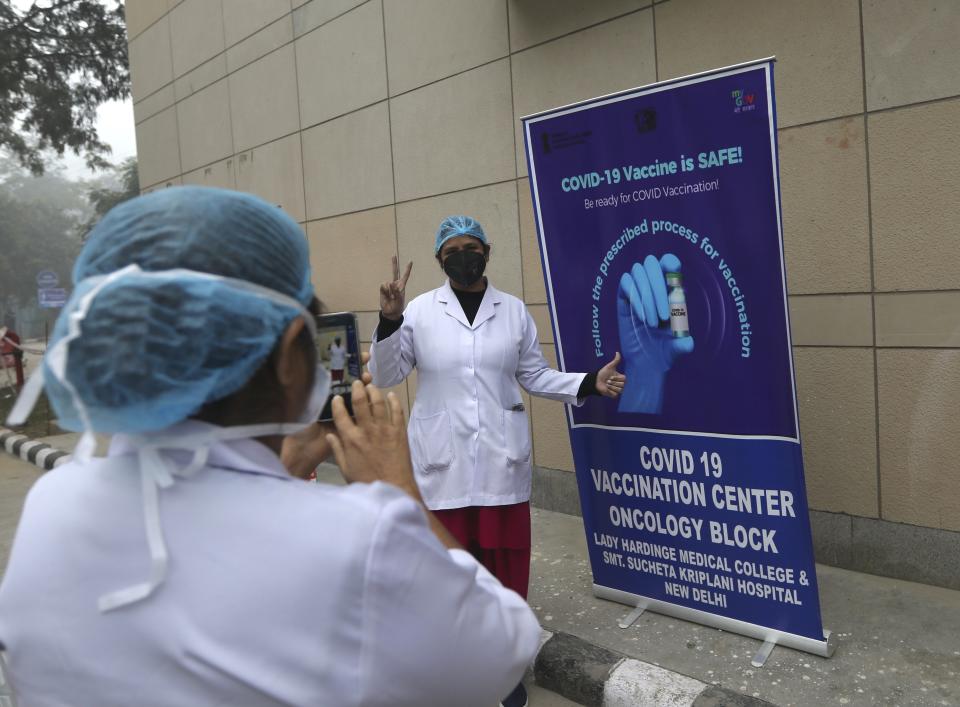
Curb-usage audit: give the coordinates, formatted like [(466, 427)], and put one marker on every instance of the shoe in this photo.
[(517, 698)]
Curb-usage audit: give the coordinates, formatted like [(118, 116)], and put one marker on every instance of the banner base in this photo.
[(628, 620), (824, 648), (765, 650)]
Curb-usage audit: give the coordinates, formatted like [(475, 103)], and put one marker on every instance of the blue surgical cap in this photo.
[(453, 226), (153, 350)]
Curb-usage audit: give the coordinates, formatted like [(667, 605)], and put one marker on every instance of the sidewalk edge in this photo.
[(40, 454), (598, 677)]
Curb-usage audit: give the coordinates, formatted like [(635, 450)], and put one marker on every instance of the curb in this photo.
[(37, 453), (598, 677)]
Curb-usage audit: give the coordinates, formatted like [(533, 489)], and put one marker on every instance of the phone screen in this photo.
[(338, 350)]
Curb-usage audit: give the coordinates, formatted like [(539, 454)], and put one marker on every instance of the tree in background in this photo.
[(44, 221), (107, 193), (58, 62), (38, 229)]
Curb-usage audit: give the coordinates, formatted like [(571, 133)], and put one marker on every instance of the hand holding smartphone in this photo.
[(338, 350)]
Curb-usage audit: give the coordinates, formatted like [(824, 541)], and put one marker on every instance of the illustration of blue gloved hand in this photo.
[(649, 348)]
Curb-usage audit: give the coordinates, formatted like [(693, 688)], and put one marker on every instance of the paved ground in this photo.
[(544, 698), (899, 642)]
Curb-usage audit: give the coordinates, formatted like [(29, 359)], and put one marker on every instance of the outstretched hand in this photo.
[(304, 451), (610, 382), (373, 446), (394, 292)]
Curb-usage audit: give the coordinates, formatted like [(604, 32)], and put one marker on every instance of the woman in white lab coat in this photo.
[(190, 566), (474, 347)]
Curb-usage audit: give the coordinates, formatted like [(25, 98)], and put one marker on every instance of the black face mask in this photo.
[(465, 267)]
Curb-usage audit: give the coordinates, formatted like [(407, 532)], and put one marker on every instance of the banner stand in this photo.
[(691, 485), (770, 637)]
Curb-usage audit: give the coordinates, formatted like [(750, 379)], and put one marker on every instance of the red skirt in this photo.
[(498, 536)]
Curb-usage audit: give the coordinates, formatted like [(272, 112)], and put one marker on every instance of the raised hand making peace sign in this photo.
[(393, 293)]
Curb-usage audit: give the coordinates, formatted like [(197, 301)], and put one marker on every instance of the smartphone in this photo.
[(338, 350)]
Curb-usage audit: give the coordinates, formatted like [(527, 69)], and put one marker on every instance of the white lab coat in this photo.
[(338, 357), (279, 592), (469, 434)]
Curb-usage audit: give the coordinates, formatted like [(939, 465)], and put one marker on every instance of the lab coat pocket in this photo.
[(433, 441), (516, 430)]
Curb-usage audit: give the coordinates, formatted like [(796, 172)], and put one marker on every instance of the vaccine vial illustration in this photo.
[(677, 300)]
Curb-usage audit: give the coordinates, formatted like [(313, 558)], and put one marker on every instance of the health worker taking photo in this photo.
[(190, 566), (474, 347)]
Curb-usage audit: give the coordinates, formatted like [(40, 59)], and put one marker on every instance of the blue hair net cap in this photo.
[(151, 350), (453, 226)]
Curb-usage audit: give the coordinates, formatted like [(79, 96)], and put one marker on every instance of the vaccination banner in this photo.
[(658, 213)]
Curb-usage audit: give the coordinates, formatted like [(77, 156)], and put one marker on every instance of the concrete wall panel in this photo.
[(257, 45), (835, 389), (831, 320), (914, 173), (242, 18), (426, 40), (158, 148), (346, 163), (816, 42), (196, 33), (534, 289), (263, 100), (541, 317), (203, 120), (222, 175), (823, 172), (141, 14), (151, 64), (339, 245), (919, 440), (911, 49), (454, 134), (919, 319), (275, 172), (172, 182), (308, 16), (153, 104), (536, 21), (199, 78), (336, 73)]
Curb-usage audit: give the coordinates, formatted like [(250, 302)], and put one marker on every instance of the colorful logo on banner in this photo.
[(661, 239), (743, 101)]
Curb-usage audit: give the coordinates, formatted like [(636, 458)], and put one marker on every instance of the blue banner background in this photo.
[(716, 399)]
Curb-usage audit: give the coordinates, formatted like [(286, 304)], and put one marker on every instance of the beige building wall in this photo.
[(370, 121)]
